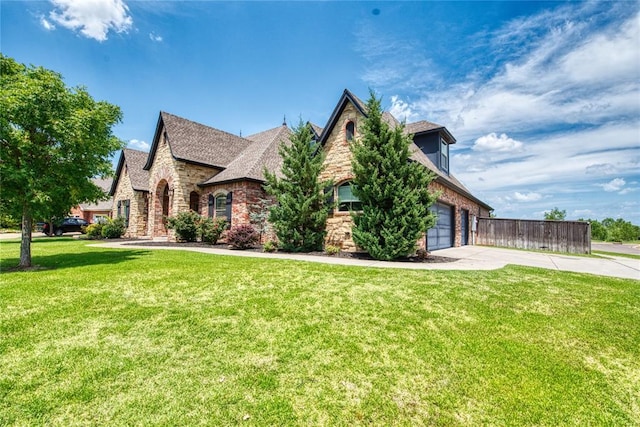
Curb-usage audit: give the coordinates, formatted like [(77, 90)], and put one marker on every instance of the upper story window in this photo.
[(444, 155), (350, 130), (347, 201)]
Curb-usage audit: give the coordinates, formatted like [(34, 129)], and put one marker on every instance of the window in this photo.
[(350, 130), (210, 205), (444, 156), (346, 200), (126, 212), (221, 205), (119, 209)]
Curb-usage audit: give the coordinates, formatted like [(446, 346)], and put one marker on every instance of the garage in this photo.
[(440, 236)]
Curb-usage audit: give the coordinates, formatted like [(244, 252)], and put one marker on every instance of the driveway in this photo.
[(466, 258)]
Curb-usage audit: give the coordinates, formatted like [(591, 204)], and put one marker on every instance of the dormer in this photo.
[(434, 141)]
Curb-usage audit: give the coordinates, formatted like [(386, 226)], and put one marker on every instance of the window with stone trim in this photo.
[(347, 201)]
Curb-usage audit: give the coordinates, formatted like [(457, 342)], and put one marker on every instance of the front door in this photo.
[(464, 227)]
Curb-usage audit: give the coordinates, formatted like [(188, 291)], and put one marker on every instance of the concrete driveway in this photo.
[(489, 257)]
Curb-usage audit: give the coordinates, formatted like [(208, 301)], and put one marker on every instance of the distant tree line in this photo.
[(613, 230)]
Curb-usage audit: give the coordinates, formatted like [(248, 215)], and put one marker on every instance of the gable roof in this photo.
[(134, 160), (250, 164), (196, 143)]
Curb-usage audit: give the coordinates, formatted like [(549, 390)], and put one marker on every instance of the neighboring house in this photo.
[(218, 174), (95, 212)]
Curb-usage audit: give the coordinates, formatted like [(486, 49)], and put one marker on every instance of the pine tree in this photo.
[(300, 215), (392, 188)]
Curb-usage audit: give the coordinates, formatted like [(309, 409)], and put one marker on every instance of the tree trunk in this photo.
[(25, 244)]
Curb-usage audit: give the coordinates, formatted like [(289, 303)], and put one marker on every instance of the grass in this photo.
[(136, 337), (618, 254)]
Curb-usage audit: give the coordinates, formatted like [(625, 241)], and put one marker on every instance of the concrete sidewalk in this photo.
[(467, 258)]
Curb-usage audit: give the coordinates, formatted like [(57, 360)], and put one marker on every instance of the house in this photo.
[(95, 212), (218, 174)]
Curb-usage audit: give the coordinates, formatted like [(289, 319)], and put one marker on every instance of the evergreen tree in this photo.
[(392, 188), (302, 207)]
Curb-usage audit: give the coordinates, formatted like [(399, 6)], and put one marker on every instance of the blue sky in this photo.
[(543, 97)]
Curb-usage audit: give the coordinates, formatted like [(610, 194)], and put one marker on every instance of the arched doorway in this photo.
[(161, 208)]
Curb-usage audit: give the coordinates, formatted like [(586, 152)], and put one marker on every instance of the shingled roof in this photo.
[(134, 160), (250, 164), (102, 205), (196, 143)]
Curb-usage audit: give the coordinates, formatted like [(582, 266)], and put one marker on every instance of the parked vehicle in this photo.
[(67, 225)]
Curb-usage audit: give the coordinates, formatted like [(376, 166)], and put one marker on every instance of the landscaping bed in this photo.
[(356, 255)]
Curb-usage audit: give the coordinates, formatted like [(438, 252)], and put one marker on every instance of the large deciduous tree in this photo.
[(53, 140), (392, 188), (300, 215), (555, 214)]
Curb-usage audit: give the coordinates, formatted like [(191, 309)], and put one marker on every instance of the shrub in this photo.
[(94, 231), (114, 228), (211, 229), (422, 254), (185, 225), (269, 246), (242, 236), (332, 250)]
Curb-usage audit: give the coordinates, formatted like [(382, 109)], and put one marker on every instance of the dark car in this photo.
[(67, 225)]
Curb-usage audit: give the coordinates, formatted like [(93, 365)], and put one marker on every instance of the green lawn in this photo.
[(136, 337)]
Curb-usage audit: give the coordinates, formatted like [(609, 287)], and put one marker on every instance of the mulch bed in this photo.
[(354, 255)]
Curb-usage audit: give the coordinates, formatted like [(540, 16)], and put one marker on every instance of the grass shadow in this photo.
[(72, 260)]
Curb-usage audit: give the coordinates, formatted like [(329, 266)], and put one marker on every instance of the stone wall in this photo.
[(138, 207), (337, 166), (181, 177)]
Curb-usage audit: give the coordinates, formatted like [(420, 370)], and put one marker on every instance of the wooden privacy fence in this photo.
[(558, 236)]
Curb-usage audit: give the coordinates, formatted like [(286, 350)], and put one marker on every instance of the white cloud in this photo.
[(92, 18), (46, 24), (493, 142), (155, 37), (138, 145), (601, 169), (615, 184), (528, 197), (401, 110)]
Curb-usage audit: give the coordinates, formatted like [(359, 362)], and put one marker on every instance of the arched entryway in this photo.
[(161, 208)]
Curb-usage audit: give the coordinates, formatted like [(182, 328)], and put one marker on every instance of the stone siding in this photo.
[(138, 206), (181, 177), (337, 166)]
